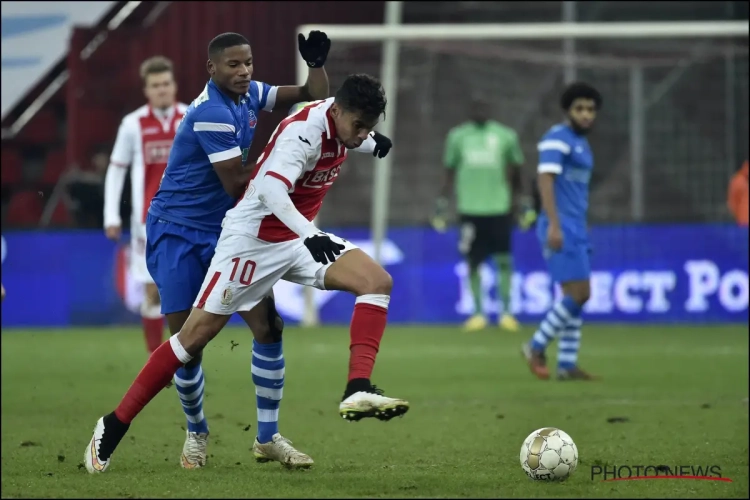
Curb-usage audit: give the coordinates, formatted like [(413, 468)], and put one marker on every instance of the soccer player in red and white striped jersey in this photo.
[(143, 142)]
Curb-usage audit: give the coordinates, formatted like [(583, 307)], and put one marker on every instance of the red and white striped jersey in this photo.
[(306, 156), (143, 143)]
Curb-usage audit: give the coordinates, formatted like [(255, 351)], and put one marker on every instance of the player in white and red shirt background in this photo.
[(143, 142)]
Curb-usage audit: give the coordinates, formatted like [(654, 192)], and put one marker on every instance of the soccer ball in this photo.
[(549, 454)]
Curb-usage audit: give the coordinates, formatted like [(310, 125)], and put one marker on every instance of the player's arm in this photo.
[(216, 133), (451, 160), (114, 181), (552, 152), (314, 50), (377, 144), (280, 171), (315, 88)]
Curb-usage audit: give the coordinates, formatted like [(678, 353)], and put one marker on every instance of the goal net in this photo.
[(672, 130)]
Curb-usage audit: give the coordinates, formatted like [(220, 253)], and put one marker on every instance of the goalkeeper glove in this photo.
[(314, 49), (438, 220), (527, 214)]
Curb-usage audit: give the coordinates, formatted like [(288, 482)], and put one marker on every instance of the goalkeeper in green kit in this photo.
[(482, 158)]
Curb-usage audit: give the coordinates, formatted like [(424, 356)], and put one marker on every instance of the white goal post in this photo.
[(393, 33)]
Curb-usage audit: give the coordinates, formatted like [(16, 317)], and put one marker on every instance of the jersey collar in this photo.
[(226, 98)]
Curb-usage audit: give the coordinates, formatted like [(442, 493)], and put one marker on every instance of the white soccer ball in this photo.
[(549, 454)]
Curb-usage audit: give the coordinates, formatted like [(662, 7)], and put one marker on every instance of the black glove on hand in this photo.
[(315, 49), (322, 249), (382, 145)]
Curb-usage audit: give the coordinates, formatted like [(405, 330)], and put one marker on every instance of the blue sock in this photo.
[(554, 323), (268, 377), (569, 344), (189, 383)]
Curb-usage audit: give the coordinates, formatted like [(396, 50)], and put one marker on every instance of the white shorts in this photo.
[(138, 268), (244, 270)]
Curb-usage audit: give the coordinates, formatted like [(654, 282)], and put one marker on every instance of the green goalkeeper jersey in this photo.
[(481, 156)]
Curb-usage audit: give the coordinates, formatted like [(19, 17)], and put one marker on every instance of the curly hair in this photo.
[(364, 94), (580, 90)]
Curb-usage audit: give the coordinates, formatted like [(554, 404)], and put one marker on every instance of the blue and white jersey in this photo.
[(568, 155), (213, 129)]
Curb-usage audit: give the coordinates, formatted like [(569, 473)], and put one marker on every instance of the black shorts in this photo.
[(482, 236)]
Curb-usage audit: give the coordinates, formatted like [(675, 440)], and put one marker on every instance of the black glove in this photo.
[(322, 249), (315, 49), (382, 145)]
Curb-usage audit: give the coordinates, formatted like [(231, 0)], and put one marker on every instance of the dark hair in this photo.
[(580, 90), (154, 66), (362, 93), (224, 41)]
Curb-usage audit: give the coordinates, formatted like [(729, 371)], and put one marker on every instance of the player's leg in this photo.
[(355, 272), (570, 337), (217, 300), (151, 317), (570, 268), (178, 258), (268, 368), (161, 366), (471, 245), (502, 235)]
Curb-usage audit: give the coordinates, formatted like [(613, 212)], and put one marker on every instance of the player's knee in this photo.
[(195, 335), (269, 328), (377, 282), (581, 295)]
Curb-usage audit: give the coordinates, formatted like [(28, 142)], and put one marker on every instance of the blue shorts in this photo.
[(572, 262), (177, 257)]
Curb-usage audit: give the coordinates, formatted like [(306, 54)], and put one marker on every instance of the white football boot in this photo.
[(194, 450), (99, 451), (372, 403), (280, 449)]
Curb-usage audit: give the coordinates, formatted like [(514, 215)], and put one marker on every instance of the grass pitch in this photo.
[(669, 395)]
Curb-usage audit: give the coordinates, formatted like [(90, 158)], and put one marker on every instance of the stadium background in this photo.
[(677, 257)]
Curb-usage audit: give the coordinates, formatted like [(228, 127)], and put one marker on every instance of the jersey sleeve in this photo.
[(122, 152), (552, 152), (266, 95), (452, 154), (515, 153), (367, 146), (288, 158), (214, 127)]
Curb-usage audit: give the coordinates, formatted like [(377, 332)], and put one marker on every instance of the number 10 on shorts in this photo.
[(248, 269)]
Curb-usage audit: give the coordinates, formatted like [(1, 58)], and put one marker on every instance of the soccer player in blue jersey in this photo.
[(207, 172), (564, 172)]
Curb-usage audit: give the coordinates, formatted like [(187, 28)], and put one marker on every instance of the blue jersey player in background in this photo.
[(564, 172), (207, 172)]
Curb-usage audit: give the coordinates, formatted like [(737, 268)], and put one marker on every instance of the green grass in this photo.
[(683, 390)]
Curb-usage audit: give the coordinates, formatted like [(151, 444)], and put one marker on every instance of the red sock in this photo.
[(153, 331), (367, 327), (159, 370)]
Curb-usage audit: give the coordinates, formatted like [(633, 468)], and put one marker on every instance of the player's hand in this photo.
[(438, 219), (113, 232), (314, 49), (322, 248), (382, 145), (526, 214), (554, 238)]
